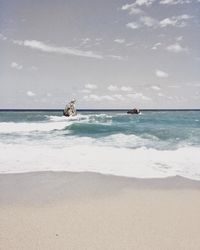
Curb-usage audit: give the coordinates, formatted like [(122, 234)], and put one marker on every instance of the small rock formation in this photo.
[(133, 111), (70, 109)]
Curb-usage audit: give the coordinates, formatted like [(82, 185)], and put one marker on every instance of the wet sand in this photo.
[(52, 210)]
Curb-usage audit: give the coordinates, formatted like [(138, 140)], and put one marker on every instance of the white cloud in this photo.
[(144, 2), (127, 6), (179, 38), (30, 93), (184, 17), (113, 88), (2, 37), (98, 98), (170, 2), (97, 43), (132, 9), (174, 2), (126, 88), (135, 11), (18, 42), (119, 40), (155, 88), (132, 25), (17, 66), (85, 40), (91, 86), (119, 97), (33, 68), (161, 74), (116, 57), (91, 97), (139, 96), (107, 97), (148, 21), (176, 21), (168, 21), (38, 45), (156, 45), (130, 44), (176, 48)]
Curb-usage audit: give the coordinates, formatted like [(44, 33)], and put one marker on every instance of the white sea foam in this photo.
[(56, 118), (140, 162), (12, 127), (126, 141), (79, 117), (101, 115)]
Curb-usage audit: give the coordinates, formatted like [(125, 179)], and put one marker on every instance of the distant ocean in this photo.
[(150, 145)]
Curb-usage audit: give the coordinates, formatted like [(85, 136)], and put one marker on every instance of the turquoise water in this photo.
[(152, 144)]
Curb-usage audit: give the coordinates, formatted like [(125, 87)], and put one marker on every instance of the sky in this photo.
[(105, 54)]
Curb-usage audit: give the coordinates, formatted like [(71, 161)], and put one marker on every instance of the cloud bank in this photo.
[(38, 45)]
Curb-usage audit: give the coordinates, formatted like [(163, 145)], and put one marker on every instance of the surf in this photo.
[(154, 144)]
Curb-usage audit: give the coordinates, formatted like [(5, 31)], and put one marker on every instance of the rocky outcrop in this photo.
[(70, 109), (133, 111)]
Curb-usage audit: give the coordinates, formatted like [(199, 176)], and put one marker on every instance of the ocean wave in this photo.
[(55, 118), (12, 127), (102, 115), (79, 117), (140, 162), (121, 140), (94, 129)]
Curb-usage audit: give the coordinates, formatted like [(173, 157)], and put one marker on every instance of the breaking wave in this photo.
[(147, 146), (139, 162)]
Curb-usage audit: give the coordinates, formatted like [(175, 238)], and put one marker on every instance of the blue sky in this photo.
[(106, 54)]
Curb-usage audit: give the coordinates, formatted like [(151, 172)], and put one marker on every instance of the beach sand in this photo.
[(52, 210)]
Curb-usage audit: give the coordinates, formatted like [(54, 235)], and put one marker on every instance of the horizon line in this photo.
[(99, 109)]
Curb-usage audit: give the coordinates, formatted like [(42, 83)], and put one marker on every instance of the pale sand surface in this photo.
[(91, 211)]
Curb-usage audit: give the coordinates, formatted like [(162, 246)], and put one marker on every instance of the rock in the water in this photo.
[(70, 109), (133, 111)]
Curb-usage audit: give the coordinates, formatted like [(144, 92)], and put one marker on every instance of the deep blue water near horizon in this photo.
[(152, 144)]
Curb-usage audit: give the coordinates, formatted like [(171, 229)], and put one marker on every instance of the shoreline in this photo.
[(65, 210), (57, 185)]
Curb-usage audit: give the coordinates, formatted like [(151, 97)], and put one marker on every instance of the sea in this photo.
[(153, 144)]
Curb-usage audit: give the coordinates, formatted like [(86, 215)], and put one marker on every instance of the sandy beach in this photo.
[(52, 210)]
